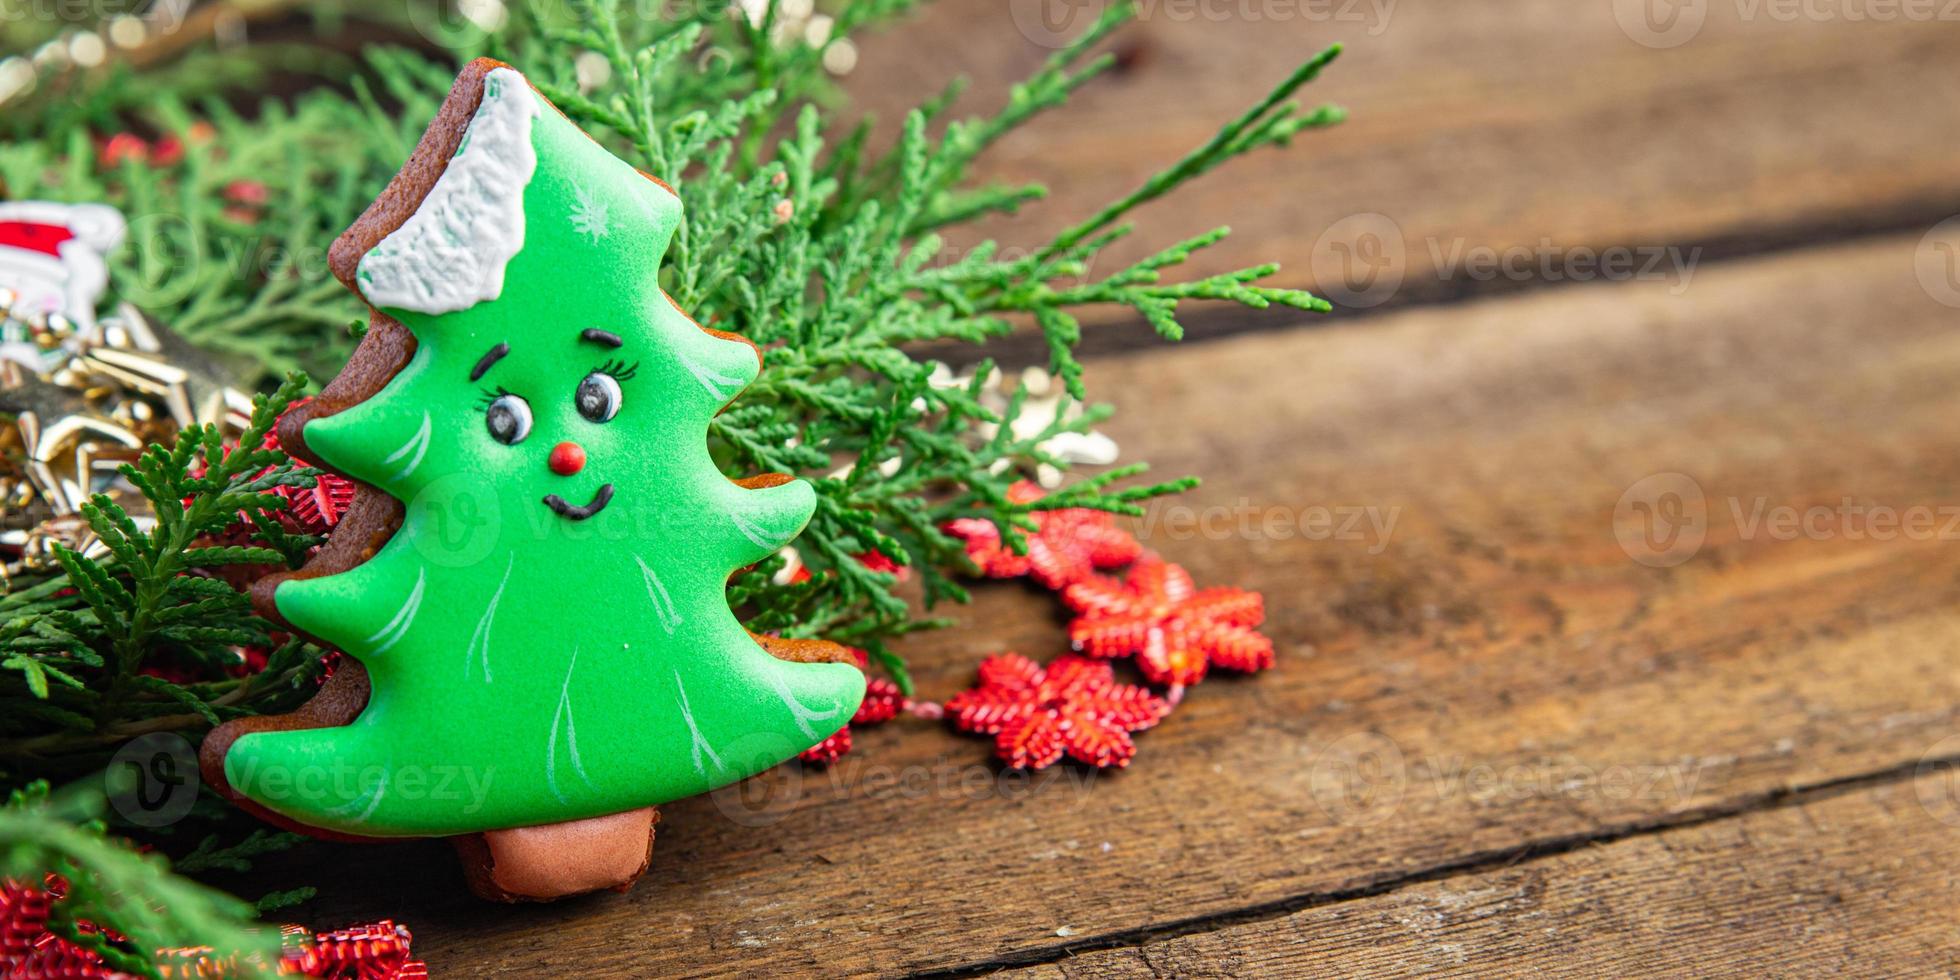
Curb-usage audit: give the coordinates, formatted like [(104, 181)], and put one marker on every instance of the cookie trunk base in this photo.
[(553, 861)]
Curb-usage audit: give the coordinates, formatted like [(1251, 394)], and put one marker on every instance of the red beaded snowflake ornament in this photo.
[(1067, 546), (1175, 629), (1073, 707)]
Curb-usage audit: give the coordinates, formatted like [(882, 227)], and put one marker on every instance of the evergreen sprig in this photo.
[(80, 653), (110, 884), (228, 234)]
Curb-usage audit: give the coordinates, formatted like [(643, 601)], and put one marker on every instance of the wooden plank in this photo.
[(1517, 126), (1860, 884), (1496, 673)]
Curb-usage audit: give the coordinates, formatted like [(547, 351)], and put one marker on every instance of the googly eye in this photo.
[(598, 397), (509, 419)]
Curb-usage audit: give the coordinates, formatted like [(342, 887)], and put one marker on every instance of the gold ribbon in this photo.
[(74, 407)]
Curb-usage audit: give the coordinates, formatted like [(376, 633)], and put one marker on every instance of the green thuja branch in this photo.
[(81, 653), (1270, 122), (112, 886), (965, 141), (86, 663), (230, 213)]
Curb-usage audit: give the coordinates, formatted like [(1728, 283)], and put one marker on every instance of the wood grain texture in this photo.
[(1519, 126), (1794, 891), (1494, 675)]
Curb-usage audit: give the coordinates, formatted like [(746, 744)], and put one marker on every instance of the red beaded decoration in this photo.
[(1067, 546), (882, 702), (379, 951), (315, 509), (309, 510), (1175, 629), (1074, 706)]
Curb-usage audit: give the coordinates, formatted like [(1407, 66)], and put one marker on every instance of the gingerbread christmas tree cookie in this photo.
[(545, 637)]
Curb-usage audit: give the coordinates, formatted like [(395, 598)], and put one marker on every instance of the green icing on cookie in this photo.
[(531, 664)]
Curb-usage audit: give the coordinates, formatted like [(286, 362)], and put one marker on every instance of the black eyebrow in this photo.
[(483, 364), (598, 336)]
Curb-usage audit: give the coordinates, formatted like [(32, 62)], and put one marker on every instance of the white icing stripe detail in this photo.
[(371, 800), (398, 627), (571, 737), (663, 604), (451, 253), (480, 640), (418, 444), (797, 709), (719, 385), (754, 533), (701, 746)]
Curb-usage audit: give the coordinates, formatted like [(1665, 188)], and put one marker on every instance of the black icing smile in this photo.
[(563, 509)]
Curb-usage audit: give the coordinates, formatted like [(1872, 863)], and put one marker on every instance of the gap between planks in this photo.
[(1465, 866)]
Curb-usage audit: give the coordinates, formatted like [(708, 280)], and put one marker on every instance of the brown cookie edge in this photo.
[(372, 517)]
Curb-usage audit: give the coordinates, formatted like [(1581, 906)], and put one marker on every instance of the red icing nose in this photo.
[(567, 458)]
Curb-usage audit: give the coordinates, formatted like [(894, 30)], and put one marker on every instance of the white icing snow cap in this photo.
[(451, 253)]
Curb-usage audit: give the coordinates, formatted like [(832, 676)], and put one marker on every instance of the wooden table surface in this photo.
[(1631, 642)]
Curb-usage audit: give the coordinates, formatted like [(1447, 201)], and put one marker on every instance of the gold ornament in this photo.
[(75, 406)]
